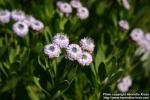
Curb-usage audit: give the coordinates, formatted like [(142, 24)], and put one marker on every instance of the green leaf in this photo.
[(100, 57), (102, 71), (9, 85), (32, 95), (12, 55)]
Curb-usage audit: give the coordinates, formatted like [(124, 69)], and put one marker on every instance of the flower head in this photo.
[(64, 7), (122, 87), (4, 16), (87, 44), (61, 40), (52, 50), (86, 59), (126, 4), (17, 15), (147, 37), (127, 80), (37, 25), (137, 34), (20, 28), (75, 4), (29, 20), (124, 84), (124, 24), (82, 13), (74, 52)]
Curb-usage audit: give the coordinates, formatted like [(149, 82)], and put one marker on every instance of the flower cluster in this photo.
[(22, 22), (124, 84), (67, 8), (74, 52), (143, 41)]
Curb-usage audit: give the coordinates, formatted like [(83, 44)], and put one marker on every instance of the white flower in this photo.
[(86, 59), (17, 15), (29, 20), (61, 40), (127, 80), (64, 7), (52, 50), (126, 4), (20, 28), (137, 34), (87, 44), (82, 13), (75, 4), (4, 16), (74, 52), (124, 24), (37, 25), (122, 87)]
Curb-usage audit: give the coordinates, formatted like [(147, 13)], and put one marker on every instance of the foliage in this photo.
[(27, 74)]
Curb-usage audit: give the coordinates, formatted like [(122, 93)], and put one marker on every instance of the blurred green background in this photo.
[(27, 74)]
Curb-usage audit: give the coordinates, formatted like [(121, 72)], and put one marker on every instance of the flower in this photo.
[(37, 25), (82, 13), (17, 15), (147, 37), (127, 80), (20, 28), (87, 44), (122, 87), (137, 34), (64, 7), (52, 50), (124, 24), (4, 16), (29, 20), (75, 4), (61, 40), (143, 42), (126, 4), (86, 59), (74, 52)]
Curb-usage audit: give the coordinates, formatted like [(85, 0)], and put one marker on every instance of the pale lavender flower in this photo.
[(17, 15), (75, 4), (87, 44), (20, 28), (82, 13), (59, 3), (122, 87), (126, 4), (74, 52), (127, 80), (37, 25), (29, 20), (124, 25), (147, 37), (4, 16), (64, 7), (52, 50), (61, 40), (86, 59), (137, 34)]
